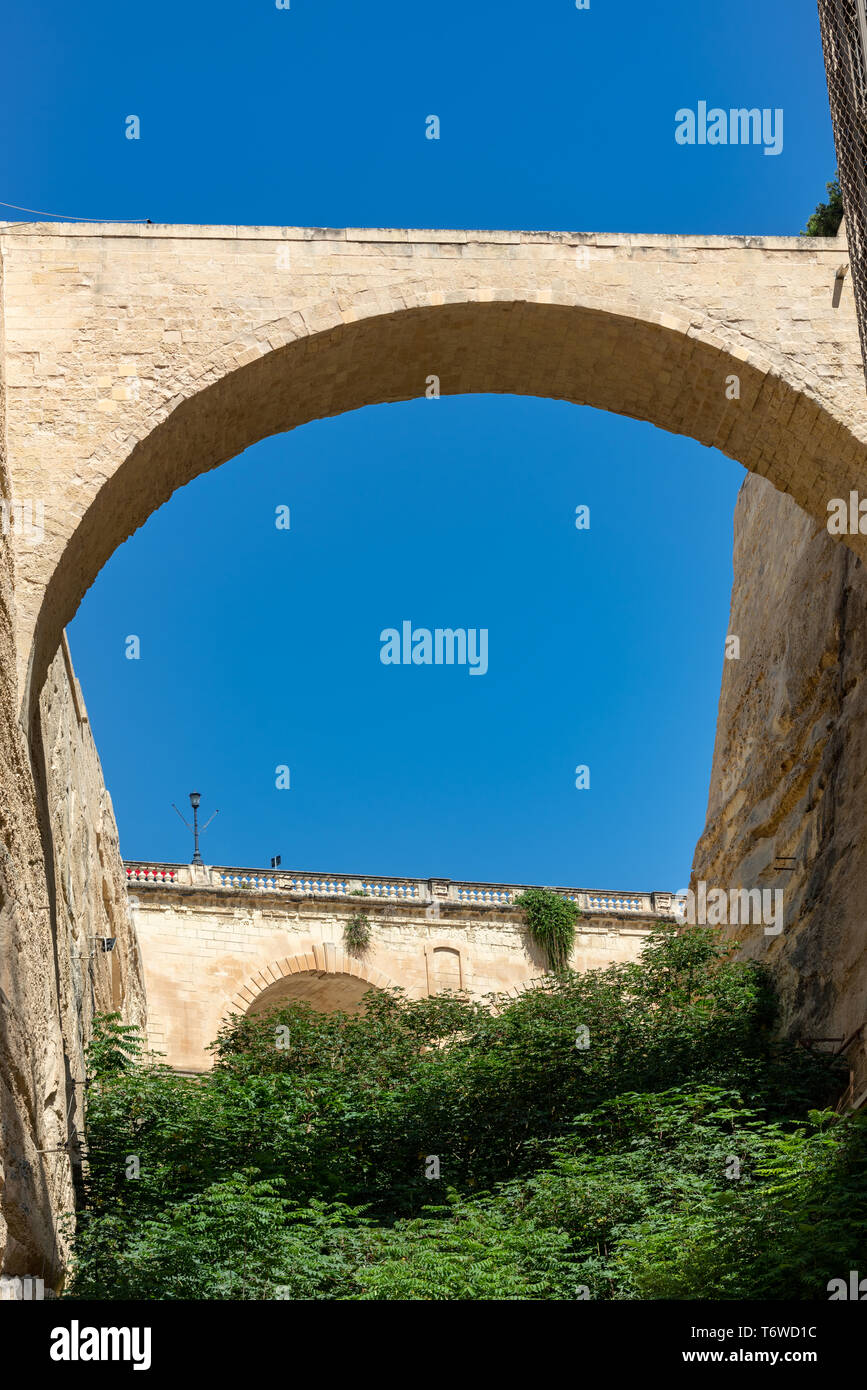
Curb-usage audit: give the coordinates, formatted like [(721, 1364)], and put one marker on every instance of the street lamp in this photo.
[(195, 802)]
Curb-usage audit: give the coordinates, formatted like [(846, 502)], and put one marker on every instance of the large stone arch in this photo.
[(655, 369), (326, 977), (651, 328)]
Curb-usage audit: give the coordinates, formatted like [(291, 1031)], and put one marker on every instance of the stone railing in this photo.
[(422, 891), (152, 873)]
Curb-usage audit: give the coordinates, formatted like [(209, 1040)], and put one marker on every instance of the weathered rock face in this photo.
[(31, 1061), (788, 781), (89, 876), (60, 890)]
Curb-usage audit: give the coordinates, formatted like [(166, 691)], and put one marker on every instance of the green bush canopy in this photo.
[(635, 1132), (825, 221)]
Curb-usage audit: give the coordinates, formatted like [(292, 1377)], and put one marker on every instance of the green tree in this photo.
[(825, 221)]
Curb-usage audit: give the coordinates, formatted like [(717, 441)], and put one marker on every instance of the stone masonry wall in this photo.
[(31, 1057), (60, 888), (787, 798)]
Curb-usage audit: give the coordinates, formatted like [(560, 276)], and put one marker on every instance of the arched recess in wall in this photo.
[(326, 978), (447, 967), (648, 366)]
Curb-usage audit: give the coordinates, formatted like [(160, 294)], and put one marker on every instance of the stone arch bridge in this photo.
[(136, 357), (222, 941)]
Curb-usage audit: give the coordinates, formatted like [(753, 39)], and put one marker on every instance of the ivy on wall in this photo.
[(551, 923)]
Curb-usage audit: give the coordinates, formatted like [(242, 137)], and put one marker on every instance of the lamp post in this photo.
[(195, 802)]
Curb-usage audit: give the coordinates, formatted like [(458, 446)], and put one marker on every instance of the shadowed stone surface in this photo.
[(789, 779), (58, 892)]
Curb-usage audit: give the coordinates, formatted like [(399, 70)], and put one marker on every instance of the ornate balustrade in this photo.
[(152, 873), (410, 890)]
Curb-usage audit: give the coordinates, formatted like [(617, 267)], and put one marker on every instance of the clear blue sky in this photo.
[(261, 647)]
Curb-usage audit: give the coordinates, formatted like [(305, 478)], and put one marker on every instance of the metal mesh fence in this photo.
[(844, 41)]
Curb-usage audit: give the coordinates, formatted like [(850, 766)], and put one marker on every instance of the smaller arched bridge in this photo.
[(223, 941)]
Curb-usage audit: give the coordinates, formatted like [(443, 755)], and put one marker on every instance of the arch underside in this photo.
[(327, 993), (325, 977), (639, 368)]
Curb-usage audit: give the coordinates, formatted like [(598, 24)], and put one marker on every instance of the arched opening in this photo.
[(272, 646), (326, 979), (651, 366), (323, 992)]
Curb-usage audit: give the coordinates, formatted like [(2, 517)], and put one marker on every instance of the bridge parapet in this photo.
[(421, 891)]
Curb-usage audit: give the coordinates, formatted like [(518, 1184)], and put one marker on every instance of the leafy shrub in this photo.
[(114, 1046), (356, 934), (551, 922), (302, 1173)]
